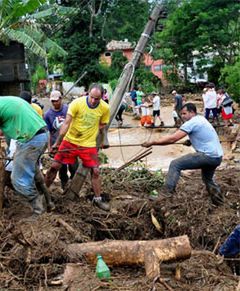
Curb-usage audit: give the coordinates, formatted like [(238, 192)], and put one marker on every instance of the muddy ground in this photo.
[(34, 257)]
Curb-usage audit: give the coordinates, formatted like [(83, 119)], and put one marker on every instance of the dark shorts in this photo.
[(89, 156), (156, 113)]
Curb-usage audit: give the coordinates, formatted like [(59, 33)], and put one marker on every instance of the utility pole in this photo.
[(129, 69), (119, 92)]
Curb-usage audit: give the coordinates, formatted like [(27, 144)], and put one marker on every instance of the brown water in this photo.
[(161, 155)]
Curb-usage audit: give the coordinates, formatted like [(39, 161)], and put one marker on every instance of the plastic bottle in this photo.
[(102, 270)]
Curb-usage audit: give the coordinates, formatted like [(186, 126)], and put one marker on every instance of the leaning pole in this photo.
[(123, 82), (128, 71)]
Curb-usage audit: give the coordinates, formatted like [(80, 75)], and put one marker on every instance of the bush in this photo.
[(40, 74), (231, 77)]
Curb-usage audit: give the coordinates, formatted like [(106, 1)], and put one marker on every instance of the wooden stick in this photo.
[(216, 245), (165, 284), (140, 144), (153, 127), (70, 229), (135, 159)]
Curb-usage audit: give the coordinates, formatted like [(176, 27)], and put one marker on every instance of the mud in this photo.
[(33, 255)]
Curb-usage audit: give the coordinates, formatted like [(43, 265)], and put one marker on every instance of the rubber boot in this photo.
[(215, 194), (101, 204), (37, 205)]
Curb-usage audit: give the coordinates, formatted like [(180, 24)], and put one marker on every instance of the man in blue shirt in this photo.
[(54, 119), (208, 156)]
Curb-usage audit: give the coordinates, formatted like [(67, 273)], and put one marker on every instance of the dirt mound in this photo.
[(33, 254)]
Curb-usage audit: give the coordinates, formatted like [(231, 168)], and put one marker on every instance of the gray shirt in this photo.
[(203, 136), (178, 102)]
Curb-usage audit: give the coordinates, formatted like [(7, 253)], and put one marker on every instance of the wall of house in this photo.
[(155, 66), (13, 73)]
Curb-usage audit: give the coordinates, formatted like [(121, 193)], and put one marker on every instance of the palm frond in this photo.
[(40, 37), (27, 7), (26, 40), (56, 10), (52, 45), (13, 10)]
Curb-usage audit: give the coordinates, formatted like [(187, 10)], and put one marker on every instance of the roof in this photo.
[(119, 45)]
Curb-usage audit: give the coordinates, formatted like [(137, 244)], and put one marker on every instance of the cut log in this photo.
[(119, 252)]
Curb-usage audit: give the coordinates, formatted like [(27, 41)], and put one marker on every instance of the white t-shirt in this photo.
[(203, 136), (156, 103), (145, 109), (210, 99)]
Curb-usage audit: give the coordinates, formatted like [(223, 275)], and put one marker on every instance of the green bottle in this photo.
[(102, 269)]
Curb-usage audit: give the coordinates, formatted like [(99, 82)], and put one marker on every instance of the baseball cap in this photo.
[(55, 95)]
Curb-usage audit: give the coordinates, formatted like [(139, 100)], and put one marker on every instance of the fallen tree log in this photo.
[(119, 252)]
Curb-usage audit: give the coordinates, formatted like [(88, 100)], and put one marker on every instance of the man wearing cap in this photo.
[(77, 138), (54, 118), (19, 121)]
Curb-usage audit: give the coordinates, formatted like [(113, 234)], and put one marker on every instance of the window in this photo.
[(107, 54)]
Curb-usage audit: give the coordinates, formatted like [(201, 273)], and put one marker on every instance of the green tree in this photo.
[(85, 36), (147, 80), (125, 19), (20, 21), (40, 74), (231, 77), (209, 28)]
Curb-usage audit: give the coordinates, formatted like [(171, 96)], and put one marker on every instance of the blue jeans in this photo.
[(214, 112), (197, 160), (25, 163), (231, 246)]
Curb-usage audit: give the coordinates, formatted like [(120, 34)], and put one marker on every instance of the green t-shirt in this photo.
[(140, 95), (18, 120)]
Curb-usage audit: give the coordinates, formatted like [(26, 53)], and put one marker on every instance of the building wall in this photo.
[(13, 73), (155, 66)]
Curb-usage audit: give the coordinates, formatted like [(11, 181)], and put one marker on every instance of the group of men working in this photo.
[(73, 132), (76, 139)]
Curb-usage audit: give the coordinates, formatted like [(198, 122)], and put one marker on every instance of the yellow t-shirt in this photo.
[(37, 108), (85, 123)]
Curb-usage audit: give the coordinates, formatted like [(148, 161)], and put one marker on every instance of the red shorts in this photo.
[(89, 156)]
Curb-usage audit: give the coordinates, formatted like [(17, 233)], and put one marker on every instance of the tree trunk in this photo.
[(120, 252)]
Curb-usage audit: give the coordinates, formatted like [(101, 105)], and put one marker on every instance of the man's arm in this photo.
[(165, 140), (102, 125), (63, 130)]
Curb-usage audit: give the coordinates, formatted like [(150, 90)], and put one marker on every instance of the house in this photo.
[(13, 71), (127, 48)]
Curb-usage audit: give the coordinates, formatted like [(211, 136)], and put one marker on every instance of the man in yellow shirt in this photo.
[(77, 138)]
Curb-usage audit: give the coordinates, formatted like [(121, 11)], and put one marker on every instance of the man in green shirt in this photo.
[(19, 121)]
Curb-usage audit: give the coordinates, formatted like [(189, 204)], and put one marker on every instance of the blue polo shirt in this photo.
[(203, 136)]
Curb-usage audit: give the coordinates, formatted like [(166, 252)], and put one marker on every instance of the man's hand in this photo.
[(187, 143), (54, 149), (147, 144)]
